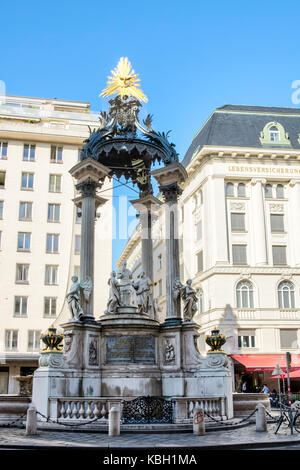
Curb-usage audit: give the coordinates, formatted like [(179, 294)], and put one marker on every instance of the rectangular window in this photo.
[(78, 215), (200, 261), (3, 150), (55, 183), (25, 211), (277, 223), (24, 241), (51, 274), (239, 254), (33, 340), (199, 230), (246, 339), (22, 273), (2, 179), (11, 340), (50, 306), (1, 209), (56, 154), (77, 244), (77, 271), (237, 222), (20, 309), (279, 255), (29, 153), (53, 212), (289, 339), (159, 259), (52, 243), (27, 181)]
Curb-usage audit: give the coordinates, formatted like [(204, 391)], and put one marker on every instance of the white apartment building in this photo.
[(40, 226), (240, 237)]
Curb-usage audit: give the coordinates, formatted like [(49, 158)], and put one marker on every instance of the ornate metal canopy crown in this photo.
[(121, 142)]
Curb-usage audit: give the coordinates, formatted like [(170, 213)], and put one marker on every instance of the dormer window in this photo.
[(274, 134)]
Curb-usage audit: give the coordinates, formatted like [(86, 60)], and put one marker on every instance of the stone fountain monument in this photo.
[(124, 357)]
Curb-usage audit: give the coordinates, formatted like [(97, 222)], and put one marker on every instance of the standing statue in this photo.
[(143, 287), (189, 297), (126, 285), (114, 300), (77, 290)]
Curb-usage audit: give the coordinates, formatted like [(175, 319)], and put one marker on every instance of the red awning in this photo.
[(266, 362)]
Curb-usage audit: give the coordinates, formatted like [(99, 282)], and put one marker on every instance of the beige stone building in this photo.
[(239, 236), (40, 226)]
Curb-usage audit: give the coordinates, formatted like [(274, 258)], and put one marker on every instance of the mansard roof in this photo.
[(241, 126)]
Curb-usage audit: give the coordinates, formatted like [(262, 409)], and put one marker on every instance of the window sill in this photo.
[(29, 161), (27, 189), (20, 316), (49, 316), (52, 191), (21, 250), (51, 284), (57, 163), (53, 221), (25, 220), (52, 252), (22, 282)]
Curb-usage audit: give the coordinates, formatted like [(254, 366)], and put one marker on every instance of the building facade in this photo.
[(239, 237), (40, 226)]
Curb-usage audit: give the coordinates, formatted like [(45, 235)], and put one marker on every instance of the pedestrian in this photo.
[(244, 387), (265, 389)]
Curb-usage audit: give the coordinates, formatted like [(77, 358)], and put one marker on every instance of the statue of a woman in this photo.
[(189, 297), (73, 299), (114, 300)]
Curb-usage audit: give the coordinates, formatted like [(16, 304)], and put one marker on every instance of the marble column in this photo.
[(90, 176), (258, 221), (294, 226), (169, 179), (147, 207)]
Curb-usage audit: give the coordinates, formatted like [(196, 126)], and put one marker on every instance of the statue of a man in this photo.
[(114, 300), (73, 299), (189, 297), (143, 291), (126, 285)]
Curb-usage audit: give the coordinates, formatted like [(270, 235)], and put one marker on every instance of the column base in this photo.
[(88, 319)]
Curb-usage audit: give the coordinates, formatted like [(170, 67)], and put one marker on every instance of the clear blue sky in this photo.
[(192, 56)]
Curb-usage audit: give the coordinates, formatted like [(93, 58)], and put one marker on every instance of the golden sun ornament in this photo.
[(124, 82)]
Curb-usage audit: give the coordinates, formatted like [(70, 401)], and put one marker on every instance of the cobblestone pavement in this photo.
[(234, 437)]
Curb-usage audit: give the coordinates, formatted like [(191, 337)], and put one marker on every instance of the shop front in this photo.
[(255, 370)]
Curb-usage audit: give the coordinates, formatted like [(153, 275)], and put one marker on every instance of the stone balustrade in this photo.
[(86, 409)]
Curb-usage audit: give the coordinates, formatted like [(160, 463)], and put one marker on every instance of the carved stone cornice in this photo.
[(254, 181)]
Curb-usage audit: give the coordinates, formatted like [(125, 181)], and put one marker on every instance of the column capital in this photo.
[(171, 192), (88, 187)]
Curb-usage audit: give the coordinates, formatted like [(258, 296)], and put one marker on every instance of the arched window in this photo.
[(268, 190), (200, 301), (229, 189), (279, 191), (274, 134), (244, 295), (241, 190), (286, 295)]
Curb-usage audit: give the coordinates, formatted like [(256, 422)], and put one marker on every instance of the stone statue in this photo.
[(189, 297), (143, 289), (114, 300), (126, 285), (78, 289), (169, 351)]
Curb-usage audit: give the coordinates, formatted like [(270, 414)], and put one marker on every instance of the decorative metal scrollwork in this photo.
[(147, 410)]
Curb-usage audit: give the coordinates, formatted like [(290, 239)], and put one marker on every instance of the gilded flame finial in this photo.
[(124, 82)]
